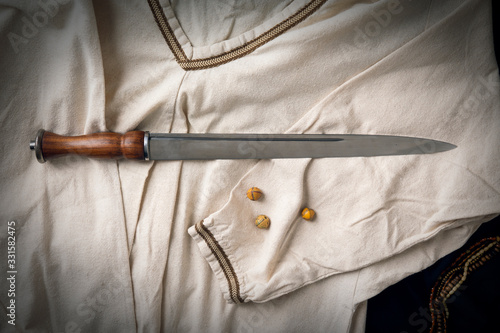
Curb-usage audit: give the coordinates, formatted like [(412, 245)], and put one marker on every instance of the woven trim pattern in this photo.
[(204, 63), (454, 277), (225, 264)]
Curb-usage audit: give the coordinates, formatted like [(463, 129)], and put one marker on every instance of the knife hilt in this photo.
[(131, 145)]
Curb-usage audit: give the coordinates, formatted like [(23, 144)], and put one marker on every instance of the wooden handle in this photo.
[(130, 145)]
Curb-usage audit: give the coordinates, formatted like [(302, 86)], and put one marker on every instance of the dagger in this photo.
[(142, 145)]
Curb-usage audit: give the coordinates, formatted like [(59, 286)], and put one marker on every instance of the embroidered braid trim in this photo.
[(204, 63), (454, 276), (225, 264)]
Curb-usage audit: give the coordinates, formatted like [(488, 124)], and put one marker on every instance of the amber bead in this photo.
[(254, 193), (308, 214), (262, 221)]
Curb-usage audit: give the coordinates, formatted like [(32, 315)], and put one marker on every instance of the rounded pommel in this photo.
[(98, 145)]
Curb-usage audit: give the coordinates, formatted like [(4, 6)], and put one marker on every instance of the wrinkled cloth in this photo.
[(113, 245)]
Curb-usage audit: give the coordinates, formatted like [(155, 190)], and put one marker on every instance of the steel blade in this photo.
[(270, 146)]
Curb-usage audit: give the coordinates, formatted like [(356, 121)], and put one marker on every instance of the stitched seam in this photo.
[(204, 63), (225, 264)]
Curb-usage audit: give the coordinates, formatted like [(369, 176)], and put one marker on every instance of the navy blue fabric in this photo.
[(475, 307), (496, 28)]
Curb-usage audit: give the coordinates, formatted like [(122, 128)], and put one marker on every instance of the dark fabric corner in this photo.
[(404, 307), (496, 28)]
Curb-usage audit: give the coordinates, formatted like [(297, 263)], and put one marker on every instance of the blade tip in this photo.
[(445, 146)]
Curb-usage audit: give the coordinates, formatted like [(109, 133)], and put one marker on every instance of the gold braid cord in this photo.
[(454, 277), (203, 63), (224, 262)]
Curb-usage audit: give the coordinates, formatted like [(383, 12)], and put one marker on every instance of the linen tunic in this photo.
[(172, 246)]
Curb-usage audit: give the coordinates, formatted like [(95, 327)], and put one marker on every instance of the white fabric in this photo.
[(104, 245), (213, 21)]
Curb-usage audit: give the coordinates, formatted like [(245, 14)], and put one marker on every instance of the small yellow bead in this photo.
[(308, 214), (254, 193), (262, 221)]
